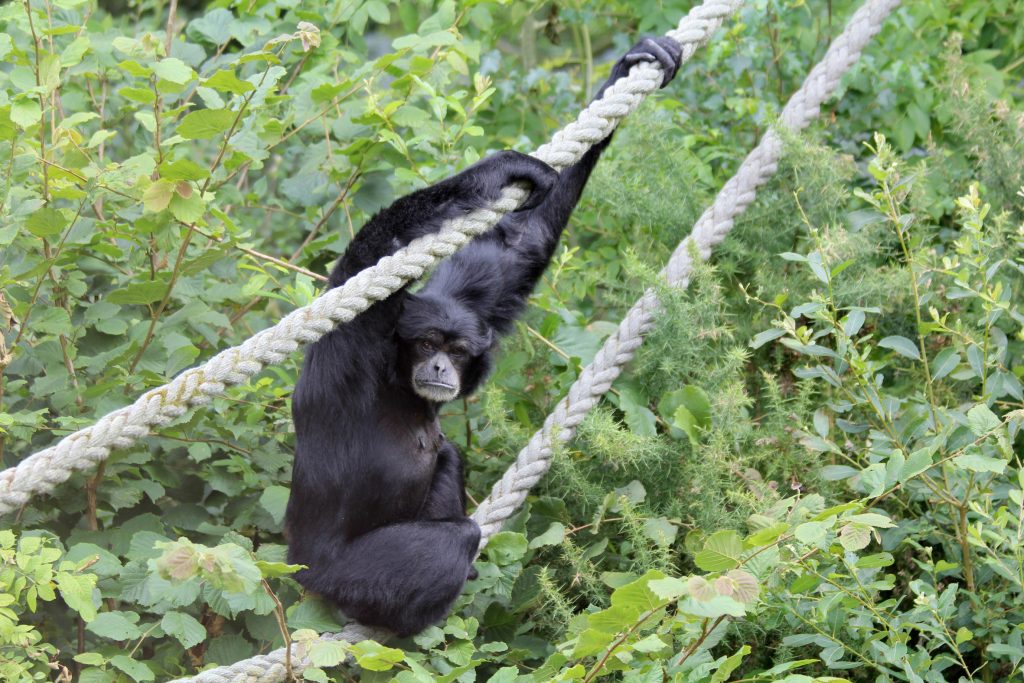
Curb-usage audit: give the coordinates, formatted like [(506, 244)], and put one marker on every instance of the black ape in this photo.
[(377, 509)]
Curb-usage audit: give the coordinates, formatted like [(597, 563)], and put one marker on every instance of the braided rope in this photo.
[(709, 230), (46, 469), (596, 379)]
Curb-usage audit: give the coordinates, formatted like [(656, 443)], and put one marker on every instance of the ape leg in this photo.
[(447, 496), (403, 577)]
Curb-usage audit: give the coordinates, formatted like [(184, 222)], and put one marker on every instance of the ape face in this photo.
[(437, 366), (442, 347)]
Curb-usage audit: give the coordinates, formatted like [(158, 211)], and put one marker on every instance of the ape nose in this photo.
[(440, 369)]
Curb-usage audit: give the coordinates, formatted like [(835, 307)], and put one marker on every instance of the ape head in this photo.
[(443, 347)]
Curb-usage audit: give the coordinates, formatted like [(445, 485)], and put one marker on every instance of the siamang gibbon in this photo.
[(378, 508)]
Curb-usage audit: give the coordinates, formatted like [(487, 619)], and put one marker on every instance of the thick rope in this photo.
[(709, 230), (596, 379), (46, 469)]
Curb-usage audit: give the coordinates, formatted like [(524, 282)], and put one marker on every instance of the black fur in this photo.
[(377, 509)]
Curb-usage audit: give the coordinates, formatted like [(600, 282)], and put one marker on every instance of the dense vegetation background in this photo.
[(812, 471)]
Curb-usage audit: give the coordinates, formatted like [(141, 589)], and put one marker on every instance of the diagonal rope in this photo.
[(709, 230), (596, 379), (48, 468)]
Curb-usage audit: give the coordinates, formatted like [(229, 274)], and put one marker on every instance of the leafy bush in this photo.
[(811, 472)]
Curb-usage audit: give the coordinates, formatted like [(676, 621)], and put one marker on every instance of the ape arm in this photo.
[(423, 212), (497, 273)]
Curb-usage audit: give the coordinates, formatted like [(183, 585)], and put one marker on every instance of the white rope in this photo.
[(46, 469), (596, 379), (709, 230)]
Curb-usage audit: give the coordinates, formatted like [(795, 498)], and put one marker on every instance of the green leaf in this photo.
[(51, 321), (142, 95), (158, 195), (766, 536), (274, 570), (138, 293), (722, 551), (139, 671), (174, 70), (976, 462), (811, 533), (729, 665), (182, 169), (25, 112), (902, 346), (982, 420), (225, 80), (553, 536), (77, 590), (876, 561), (505, 547), (115, 625), (919, 461), (765, 336), (187, 209), (373, 656), (274, 500), (945, 363), (46, 222), (205, 123), (668, 588), (184, 627), (854, 537), (327, 653)]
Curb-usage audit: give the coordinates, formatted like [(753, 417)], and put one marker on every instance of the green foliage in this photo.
[(811, 472)]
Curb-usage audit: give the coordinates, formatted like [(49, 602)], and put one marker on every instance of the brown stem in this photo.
[(630, 631), (171, 12), (282, 625), (697, 643)]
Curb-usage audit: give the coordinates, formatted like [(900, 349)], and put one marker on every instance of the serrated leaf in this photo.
[(184, 627), (138, 293), (115, 625), (902, 346), (225, 80), (187, 209), (811, 533), (139, 671), (46, 222), (274, 500), (182, 169), (729, 665), (976, 462), (174, 70), (982, 420), (766, 536), (158, 195), (77, 590), (738, 584), (554, 535), (854, 537), (721, 551), (205, 123), (373, 656), (668, 588)]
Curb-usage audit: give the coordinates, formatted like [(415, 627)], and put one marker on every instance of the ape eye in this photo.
[(426, 346)]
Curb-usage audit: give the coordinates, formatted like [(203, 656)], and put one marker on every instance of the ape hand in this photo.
[(488, 177), (660, 49)]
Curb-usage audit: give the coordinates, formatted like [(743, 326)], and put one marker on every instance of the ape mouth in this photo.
[(436, 385), (437, 392)]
